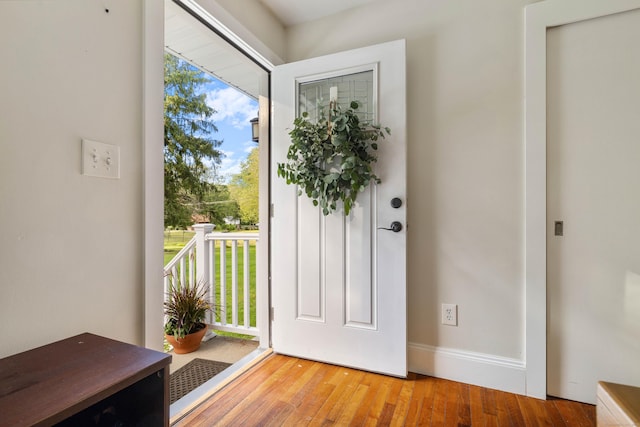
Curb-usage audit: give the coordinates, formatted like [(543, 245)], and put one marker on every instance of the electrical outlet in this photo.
[(450, 314)]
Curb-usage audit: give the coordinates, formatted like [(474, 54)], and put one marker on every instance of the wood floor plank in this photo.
[(489, 405), (475, 398), (572, 413), (540, 412), (378, 402), (277, 413), (350, 409), (464, 406), (304, 380), (387, 414), (490, 408), (513, 409), (392, 401), (312, 398), (319, 375), (426, 411), (288, 391), (373, 384), (345, 379), (402, 404), (590, 412), (415, 402), (451, 408), (502, 409), (554, 416), (439, 405), (532, 414), (305, 413)]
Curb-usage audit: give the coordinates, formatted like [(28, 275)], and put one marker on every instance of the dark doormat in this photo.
[(192, 375)]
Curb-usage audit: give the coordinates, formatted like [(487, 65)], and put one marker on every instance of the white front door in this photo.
[(338, 282), (593, 187)]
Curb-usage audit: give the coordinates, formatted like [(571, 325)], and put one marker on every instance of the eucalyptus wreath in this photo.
[(332, 159)]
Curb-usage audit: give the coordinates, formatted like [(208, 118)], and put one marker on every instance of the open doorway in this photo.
[(221, 188)]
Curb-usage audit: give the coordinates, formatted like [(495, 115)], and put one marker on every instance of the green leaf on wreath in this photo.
[(332, 161)]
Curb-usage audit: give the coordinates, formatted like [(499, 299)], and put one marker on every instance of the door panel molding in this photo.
[(310, 280), (360, 258)]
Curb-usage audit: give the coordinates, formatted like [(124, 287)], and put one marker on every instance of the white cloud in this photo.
[(229, 166), (249, 146), (233, 106), (231, 162)]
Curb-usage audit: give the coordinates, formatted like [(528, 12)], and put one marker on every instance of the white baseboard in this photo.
[(485, 370)]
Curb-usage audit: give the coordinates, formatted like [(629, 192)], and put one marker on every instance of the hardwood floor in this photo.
[(288, 391)]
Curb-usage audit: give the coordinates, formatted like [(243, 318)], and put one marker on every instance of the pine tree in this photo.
[(190, 153)]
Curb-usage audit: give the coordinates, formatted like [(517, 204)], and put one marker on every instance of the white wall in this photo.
[(260, 21), (251, 22), (466, 174), (72, 253)]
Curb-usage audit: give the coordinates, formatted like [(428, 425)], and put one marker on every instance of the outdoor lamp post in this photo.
[(255, 130)]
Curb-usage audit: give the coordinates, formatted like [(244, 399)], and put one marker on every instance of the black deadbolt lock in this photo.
[(396, 202)]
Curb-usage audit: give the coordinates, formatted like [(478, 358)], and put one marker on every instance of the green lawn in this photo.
[(176, 239)]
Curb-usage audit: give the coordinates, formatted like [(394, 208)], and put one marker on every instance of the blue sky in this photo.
[(234, 109)]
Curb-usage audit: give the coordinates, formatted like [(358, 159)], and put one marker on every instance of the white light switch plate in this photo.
[(100, 159)]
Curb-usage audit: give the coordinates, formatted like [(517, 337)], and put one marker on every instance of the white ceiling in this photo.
[(291, 12), (190, 40)]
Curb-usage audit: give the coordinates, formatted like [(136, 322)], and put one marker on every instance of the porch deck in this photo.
[(240, 353), (219, 348)]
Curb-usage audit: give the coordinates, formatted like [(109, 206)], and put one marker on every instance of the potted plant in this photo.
[(185, 310), (332, 159)]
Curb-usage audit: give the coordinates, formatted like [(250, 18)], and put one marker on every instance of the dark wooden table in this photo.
[(82, 380)]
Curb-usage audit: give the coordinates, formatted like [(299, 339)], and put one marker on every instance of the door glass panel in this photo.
[(314, 96)]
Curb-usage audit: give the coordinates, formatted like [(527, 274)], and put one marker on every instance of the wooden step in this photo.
[(618, 405)]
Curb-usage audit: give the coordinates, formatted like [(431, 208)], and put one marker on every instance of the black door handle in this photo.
[(396, 227)]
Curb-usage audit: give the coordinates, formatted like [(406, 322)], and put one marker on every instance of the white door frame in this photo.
[(539, 17), (153, 169), (153, 157)]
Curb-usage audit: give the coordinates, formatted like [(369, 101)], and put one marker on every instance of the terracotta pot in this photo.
[(187, 344)]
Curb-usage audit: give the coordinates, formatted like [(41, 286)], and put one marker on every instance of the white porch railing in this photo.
[(223, 261), (180, 268)]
